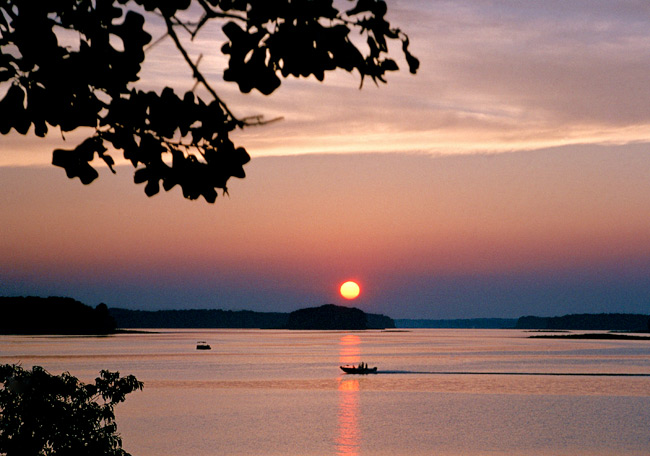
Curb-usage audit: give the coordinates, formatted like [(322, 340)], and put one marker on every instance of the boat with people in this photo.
[(203, 345), (362, 369)]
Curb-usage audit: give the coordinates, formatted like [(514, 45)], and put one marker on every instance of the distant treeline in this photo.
[(461, 323), (604, 321), (57, 315), (53, 315), (197, 318), (324, 317), (610, 322)]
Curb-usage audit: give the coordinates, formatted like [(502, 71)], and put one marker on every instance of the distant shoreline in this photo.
[(599, 336), (136, 331), (66, 316)]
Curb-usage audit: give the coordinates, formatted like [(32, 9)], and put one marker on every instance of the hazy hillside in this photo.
[(609, 321), (460, 323)]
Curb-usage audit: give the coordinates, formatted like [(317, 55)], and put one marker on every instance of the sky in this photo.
[(509, 177)]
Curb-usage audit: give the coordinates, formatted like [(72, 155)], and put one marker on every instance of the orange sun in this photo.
[(350, 290)]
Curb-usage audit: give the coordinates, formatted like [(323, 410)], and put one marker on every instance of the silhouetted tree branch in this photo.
[(92, 83)]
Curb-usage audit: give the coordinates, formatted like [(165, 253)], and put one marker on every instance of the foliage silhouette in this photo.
[(92, 83), (44, 414)]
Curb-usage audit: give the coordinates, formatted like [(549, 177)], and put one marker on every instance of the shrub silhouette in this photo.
[(44, 414)]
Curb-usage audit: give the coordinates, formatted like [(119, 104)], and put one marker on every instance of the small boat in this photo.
[(360, 369), (202, 345)]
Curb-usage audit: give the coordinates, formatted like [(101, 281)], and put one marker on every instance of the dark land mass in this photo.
[(327, 316), (66, 316), (330, 316), (603, 321), (59, 315), (461, 323), (53, 315)]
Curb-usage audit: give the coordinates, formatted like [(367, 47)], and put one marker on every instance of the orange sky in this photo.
[(508, 177), (406, 226)]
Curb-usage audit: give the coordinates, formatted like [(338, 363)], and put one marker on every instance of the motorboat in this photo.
[(361, 369)]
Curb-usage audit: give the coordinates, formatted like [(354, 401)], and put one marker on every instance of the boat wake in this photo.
[(561, 374)]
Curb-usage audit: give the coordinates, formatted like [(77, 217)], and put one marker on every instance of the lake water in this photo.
[(438, 392)]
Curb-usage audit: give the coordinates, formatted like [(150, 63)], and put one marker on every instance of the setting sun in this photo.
[(350, 290)]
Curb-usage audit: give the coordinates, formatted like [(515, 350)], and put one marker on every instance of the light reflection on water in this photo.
[(347, 442), (350, 350), (447, 392)]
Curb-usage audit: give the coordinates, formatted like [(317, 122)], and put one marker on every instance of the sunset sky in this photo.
[(508, 177)]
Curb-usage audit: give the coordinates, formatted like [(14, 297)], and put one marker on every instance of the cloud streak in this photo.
[(495, 76)]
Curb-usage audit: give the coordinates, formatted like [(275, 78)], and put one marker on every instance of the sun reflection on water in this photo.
[(350, 352), (348, 438)]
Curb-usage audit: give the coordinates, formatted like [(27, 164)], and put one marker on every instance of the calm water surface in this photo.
[(438, 392)]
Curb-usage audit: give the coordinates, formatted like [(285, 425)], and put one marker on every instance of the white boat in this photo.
[(203, 345)]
